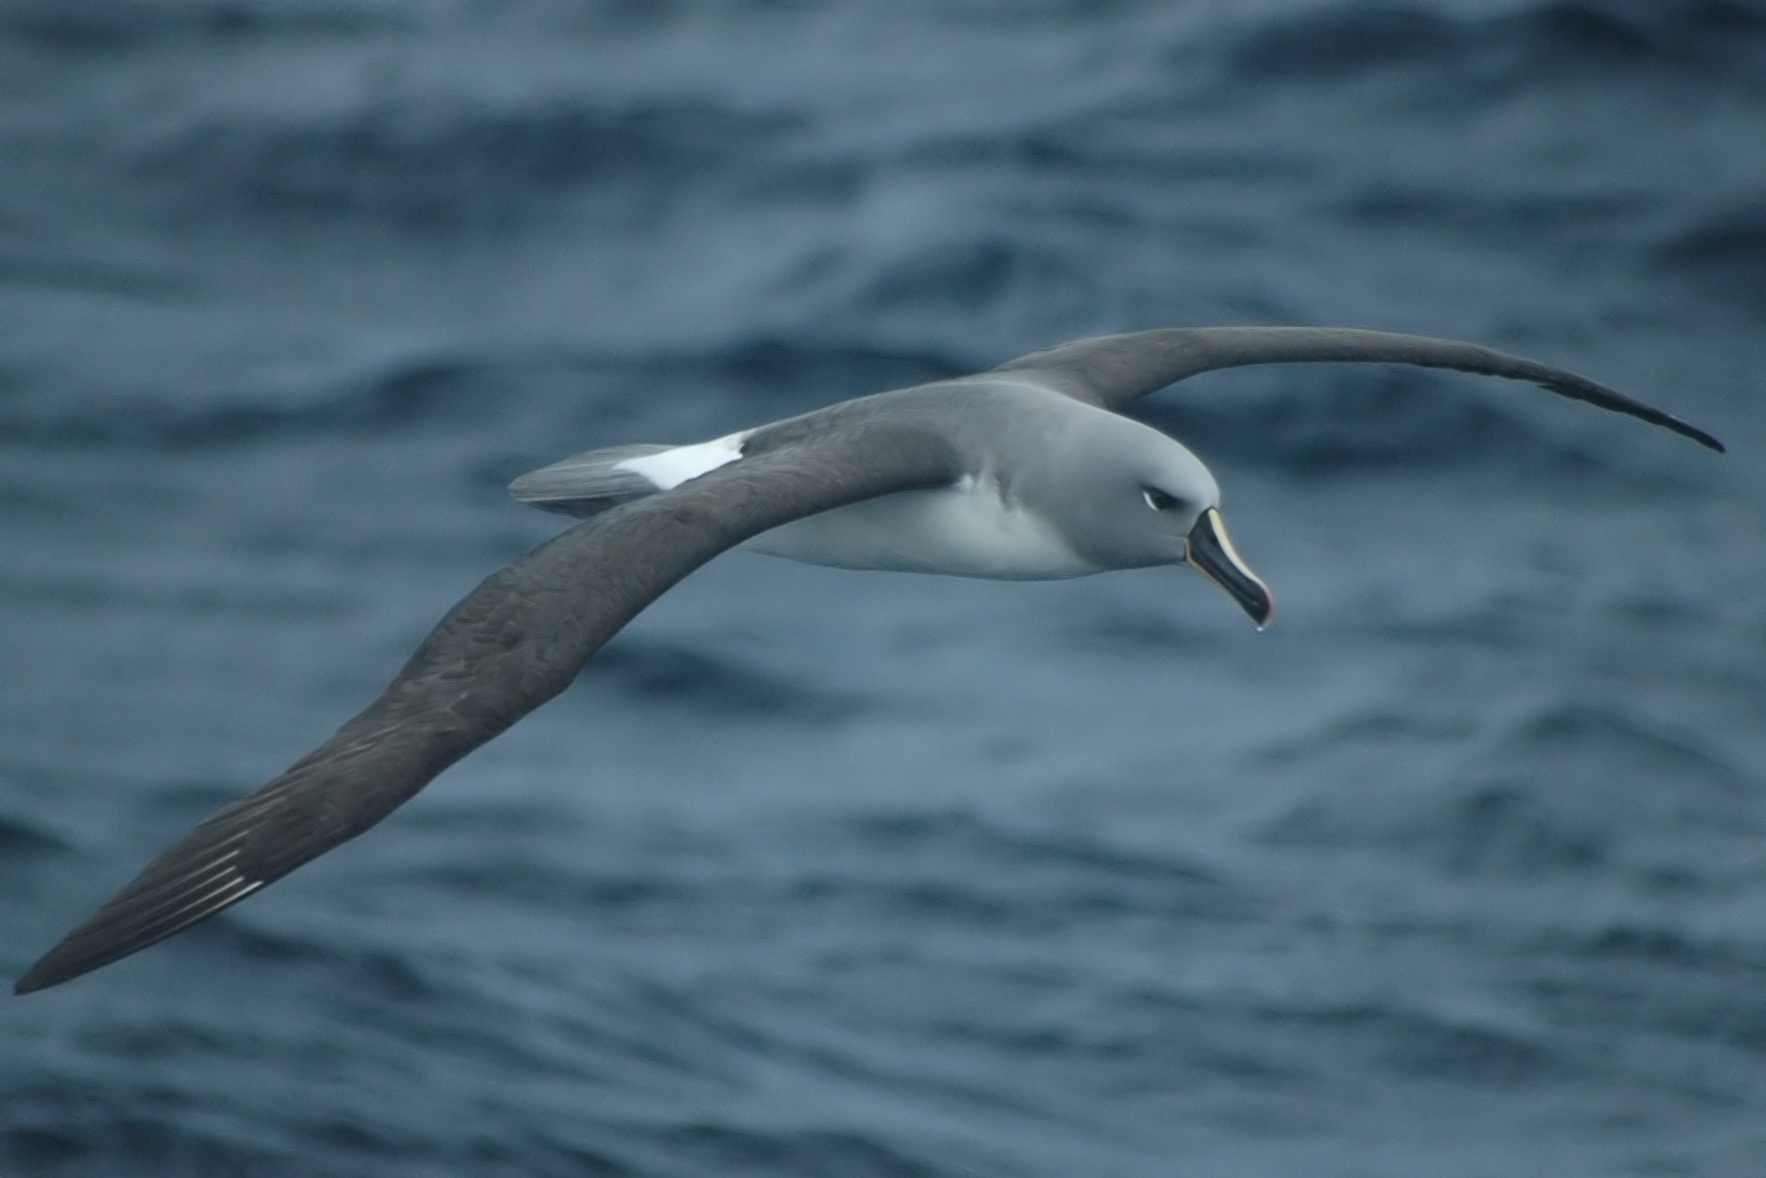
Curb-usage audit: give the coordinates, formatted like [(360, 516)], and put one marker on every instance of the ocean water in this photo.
[(1459, 870)]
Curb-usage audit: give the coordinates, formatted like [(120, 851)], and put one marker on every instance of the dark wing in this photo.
[(1112, 370), (514, 642)]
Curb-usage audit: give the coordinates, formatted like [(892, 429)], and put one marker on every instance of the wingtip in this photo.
[(42, 975), (1687, 429), (66, 960)]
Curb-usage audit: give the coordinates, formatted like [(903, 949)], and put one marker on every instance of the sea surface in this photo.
[(1458, 871)]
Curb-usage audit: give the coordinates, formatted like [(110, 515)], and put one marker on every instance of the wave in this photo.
[(727, 1149), (952, 869), (19, 839), (63, 1128), (1504, 219), (1424, 1043), (1724, 254), (1466, 58), (1570, 787), (422, 392), (954, 834), (63, 27), (967, 276), (941, 868), (715, 685), (443, 163)]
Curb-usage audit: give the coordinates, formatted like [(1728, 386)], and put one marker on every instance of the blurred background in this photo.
[(1459, 870)]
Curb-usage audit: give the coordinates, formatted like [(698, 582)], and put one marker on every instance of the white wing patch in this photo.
[(671, 468)]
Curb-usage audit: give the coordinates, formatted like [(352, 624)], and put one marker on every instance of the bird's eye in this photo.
[(1159, 501)]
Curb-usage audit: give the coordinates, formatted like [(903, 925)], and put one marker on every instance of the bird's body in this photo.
[(970, 529), (1025, 472), (999, 517), (985, 524)]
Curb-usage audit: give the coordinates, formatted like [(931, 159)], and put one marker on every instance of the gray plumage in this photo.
[(588, 483), (907, 479)]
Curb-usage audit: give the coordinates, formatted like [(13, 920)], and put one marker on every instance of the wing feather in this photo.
[(1113, 370), (514, 642)]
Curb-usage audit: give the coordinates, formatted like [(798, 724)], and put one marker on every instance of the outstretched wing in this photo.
[(1112, 370), (513, 643)]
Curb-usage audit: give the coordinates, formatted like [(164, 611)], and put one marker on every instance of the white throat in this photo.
[(965, 530)]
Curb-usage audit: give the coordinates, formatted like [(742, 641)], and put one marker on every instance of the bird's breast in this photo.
[(967, 530)]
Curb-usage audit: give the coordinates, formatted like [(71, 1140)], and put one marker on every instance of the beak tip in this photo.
[(1266, 618)]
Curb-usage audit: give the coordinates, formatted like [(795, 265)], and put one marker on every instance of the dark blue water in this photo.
[(1458, 871)]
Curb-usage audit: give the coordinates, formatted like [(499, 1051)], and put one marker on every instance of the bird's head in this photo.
[(1156, 503)]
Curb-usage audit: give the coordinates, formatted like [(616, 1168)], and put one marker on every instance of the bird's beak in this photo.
[(1211, 550)]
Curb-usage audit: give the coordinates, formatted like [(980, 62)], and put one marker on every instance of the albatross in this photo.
[(1027, 471)]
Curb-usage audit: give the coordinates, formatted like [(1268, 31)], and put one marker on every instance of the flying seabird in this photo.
[(1023, 472)]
